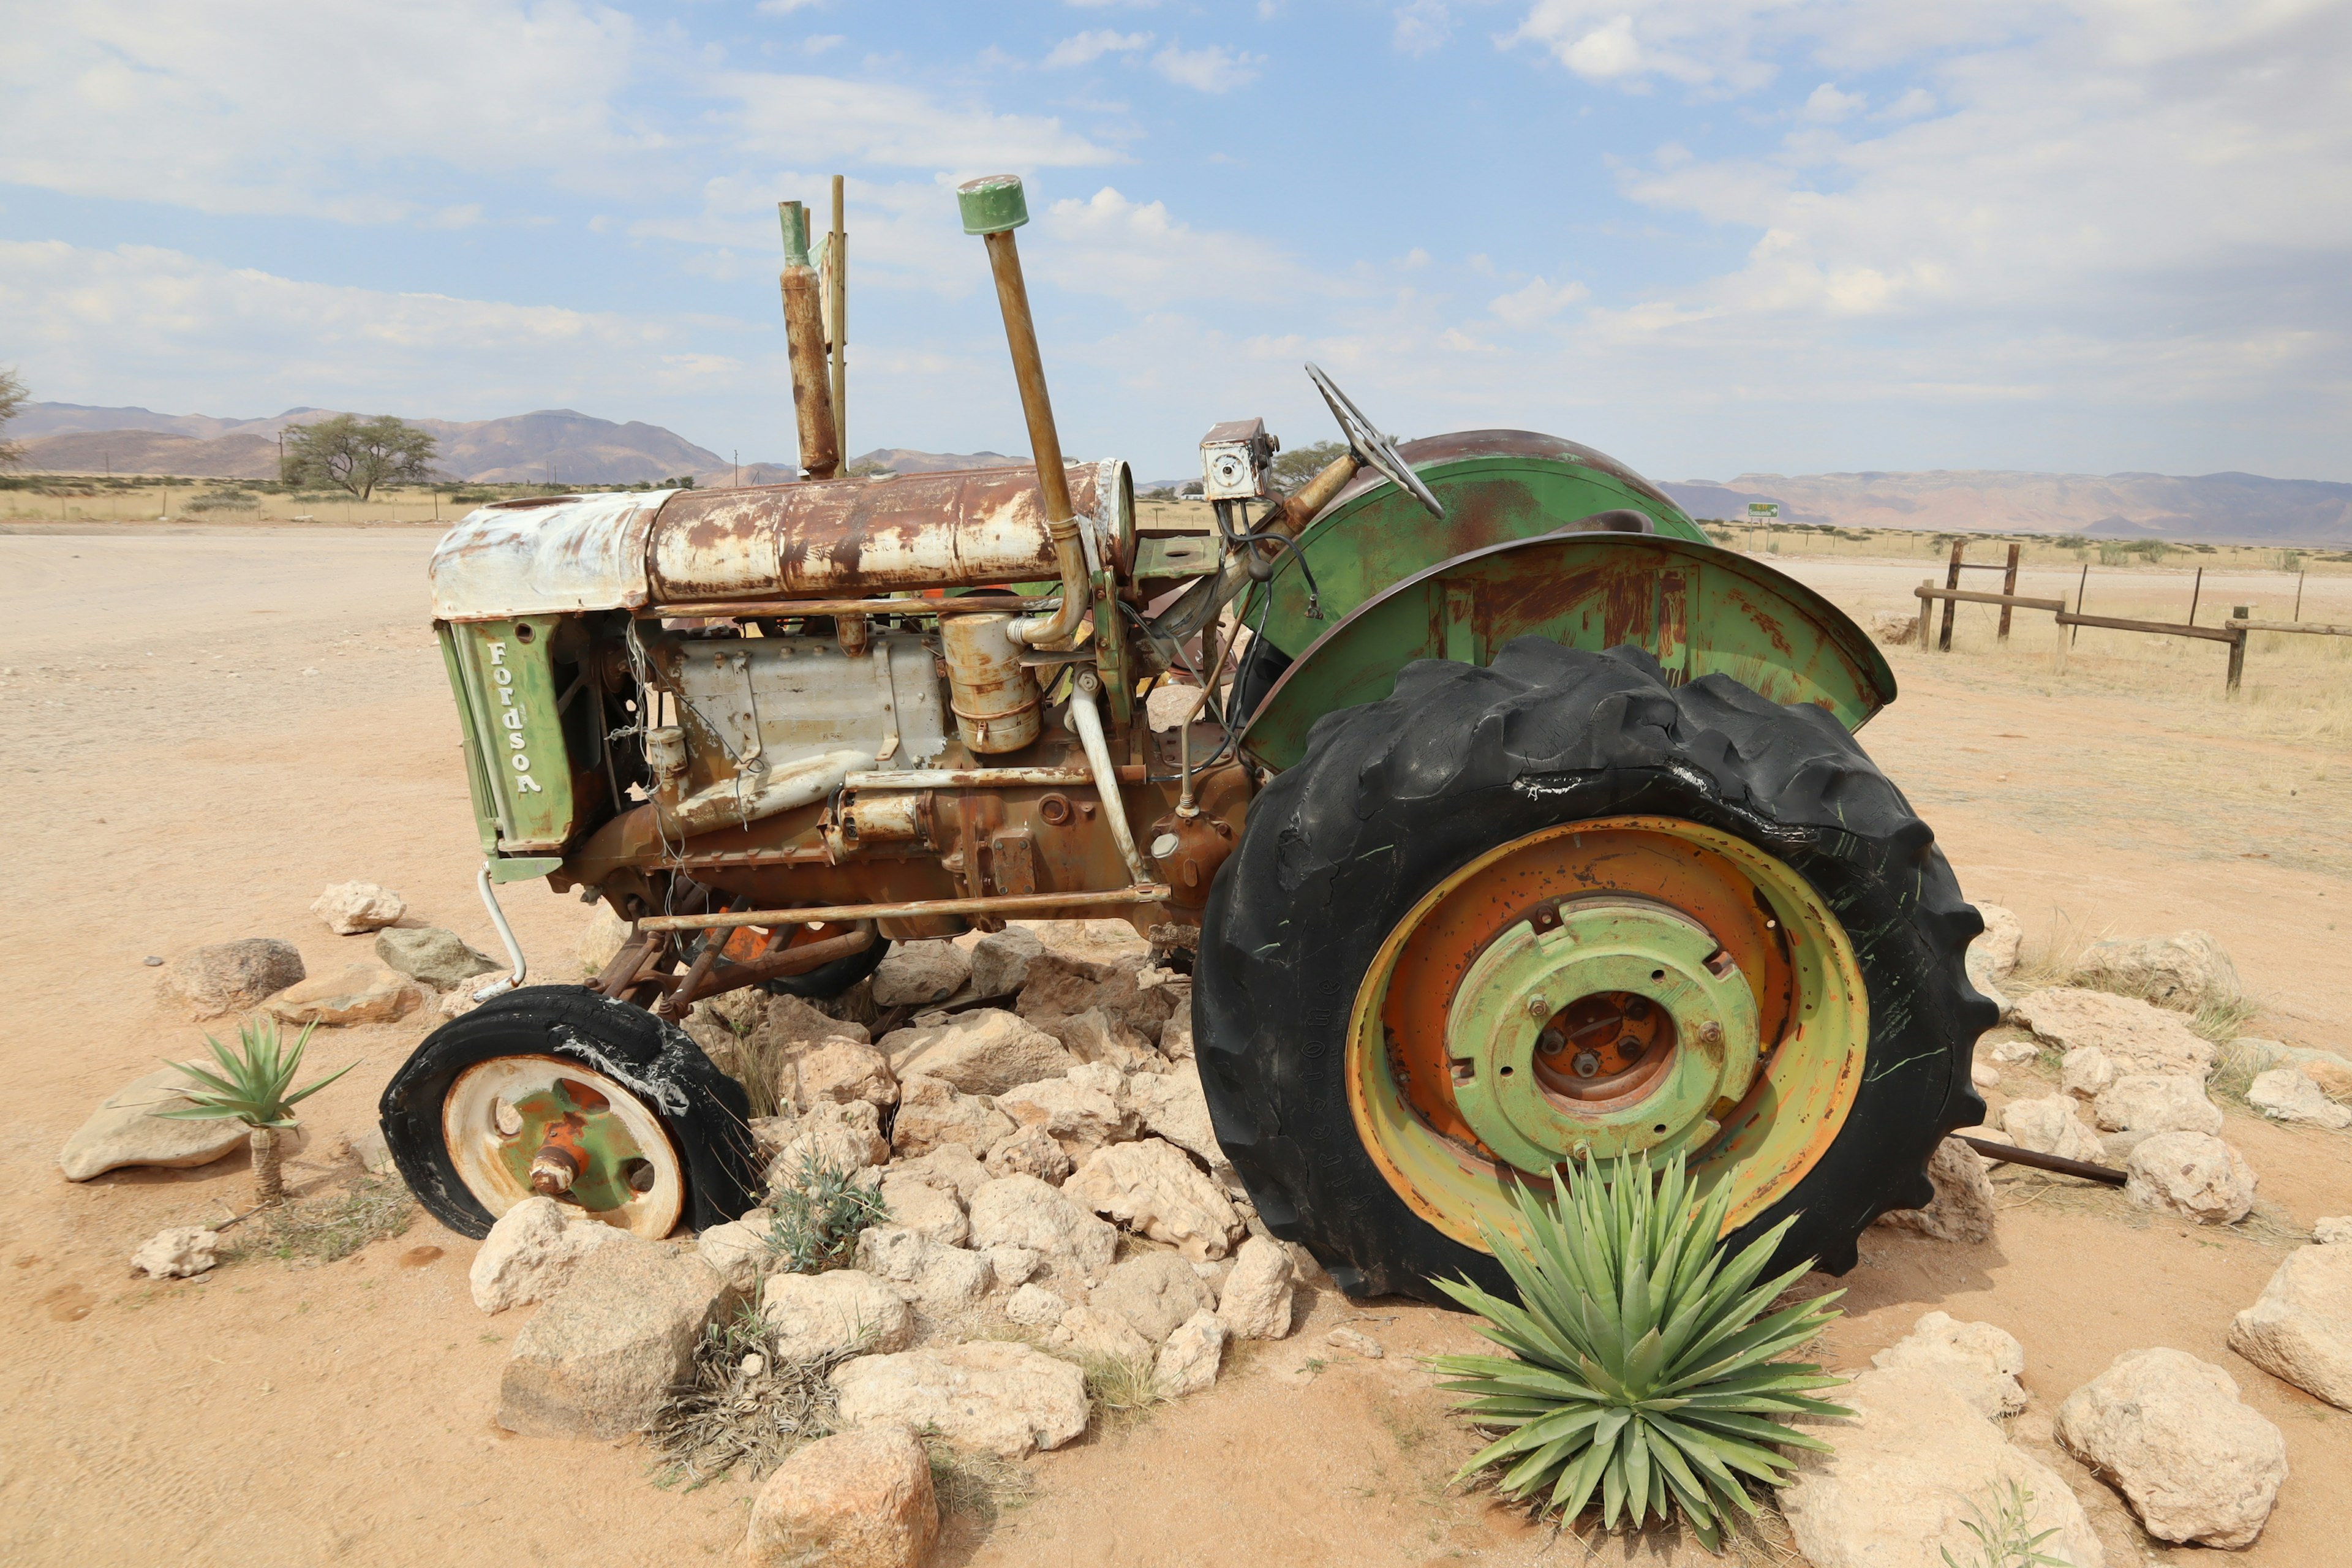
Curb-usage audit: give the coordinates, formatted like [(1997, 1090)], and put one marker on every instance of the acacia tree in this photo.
[(1292, 469), (12, 403), (357, 455)]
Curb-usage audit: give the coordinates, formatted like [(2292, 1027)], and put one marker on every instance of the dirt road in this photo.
[(206, 728)]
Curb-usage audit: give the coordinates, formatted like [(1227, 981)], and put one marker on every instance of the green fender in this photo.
[(1699, 608)]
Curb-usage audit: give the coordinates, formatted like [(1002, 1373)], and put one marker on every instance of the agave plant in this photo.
[(252, 1087), (1642, 1370)]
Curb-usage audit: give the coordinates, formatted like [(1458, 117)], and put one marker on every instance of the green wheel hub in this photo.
[(1613, 1026)]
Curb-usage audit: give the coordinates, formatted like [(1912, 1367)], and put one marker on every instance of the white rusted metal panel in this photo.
[(545, 556)]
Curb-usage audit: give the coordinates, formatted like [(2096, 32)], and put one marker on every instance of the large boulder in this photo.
[(1984, 1362), (1154, 1292), (996, 1396), (1153, 1188), (441, 959), (1001, 960), (1095, 1037), (933, 1114), (2193, 1174), (1913, 1468), (533, 1251), (1022, 1210), (1189, 1361), (983, 1051), (362, 994), (2049, 1126), (1256, 1297), (2155, 1103), (814, 1315), (230, 976), (1092, 1335), (1992, 956), (126, 1130), (1078, 1116), (1963, 1208), (350, 907), (925, 1209), (2136, 1035), (738, 1251), (856, 1500), (2288, 1094), (921, 1270), (840, 1071), (605, 1352), (1059, 987), (1172, 1106), (2183, 972), (2169, 1432), (918, 974), (2300, 1329)]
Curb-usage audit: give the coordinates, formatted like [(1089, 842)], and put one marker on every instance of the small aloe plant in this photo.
[(252, 1087), (1642, 1372)]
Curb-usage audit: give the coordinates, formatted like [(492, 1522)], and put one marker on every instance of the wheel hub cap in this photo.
[(1608, 1027)]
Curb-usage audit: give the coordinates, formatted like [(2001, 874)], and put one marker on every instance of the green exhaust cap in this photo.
[(992, 204)]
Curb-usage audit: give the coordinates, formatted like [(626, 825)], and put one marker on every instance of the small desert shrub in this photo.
[(333, 1226), (970, 1481), (224, 500), (1642, 1372), (1120, 1387), (254, 1085), (2001, 1538), (817, 1215), (738, 1414)]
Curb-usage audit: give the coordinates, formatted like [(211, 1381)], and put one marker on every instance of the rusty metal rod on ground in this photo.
[(996, 904), (2042, 1161), (804, 336)]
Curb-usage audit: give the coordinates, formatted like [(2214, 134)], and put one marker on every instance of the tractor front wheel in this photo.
[(1557, 907)]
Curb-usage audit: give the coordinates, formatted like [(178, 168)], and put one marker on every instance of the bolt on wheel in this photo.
[(519, 1127)]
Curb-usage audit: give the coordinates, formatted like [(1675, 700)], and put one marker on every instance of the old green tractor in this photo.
[(1517, 821)]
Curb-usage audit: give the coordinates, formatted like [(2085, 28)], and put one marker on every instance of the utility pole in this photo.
[(837, 298)]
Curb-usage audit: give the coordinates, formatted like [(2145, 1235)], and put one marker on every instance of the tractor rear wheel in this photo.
[(556, 1090), (1512, 915)]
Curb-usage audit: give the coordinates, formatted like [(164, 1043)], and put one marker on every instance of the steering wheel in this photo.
[(1364, 438)]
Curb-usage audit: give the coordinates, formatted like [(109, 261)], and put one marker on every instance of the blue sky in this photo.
[(1710, 236)]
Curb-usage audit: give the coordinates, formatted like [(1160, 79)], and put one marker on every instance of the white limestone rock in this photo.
[(1256, 1297), (1192, 1356), (362, 994), (934, 1113), (2049, 1126), (1963, 1209), (2169, 1430), (983, 1051), (1984, 1362), (180, 1252), (126, 1130), (839, 1071), (225, 977), (918, 974), (2287, 1094), (2085, 1071), (2300, 1329), (350, 907), (1154, 1292), (2155, 1103), (2193, 1174), (1031, 1151), (1022, 1210), (1077, 1115), (2182, 972), (601, 1355), (815, 1315), (533, 1251), (856, 1500), (1000, 961), (2136, 1035), (925, 1209), (1092, 1335), (1002, 1398), (1036, 1307), (1153, 1189)]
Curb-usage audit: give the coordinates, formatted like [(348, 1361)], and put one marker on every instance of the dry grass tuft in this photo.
[(728, 1419), (1120, 1389), (330, 1226), (983, 1485), (2052, 958)]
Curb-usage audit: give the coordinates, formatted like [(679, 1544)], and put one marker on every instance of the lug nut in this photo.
[(1711, 1033), (553, 1171), (1587, 1064), (1539, 1008)]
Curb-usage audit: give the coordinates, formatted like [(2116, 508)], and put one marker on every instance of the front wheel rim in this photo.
[(1697, 995), (619, 1164)]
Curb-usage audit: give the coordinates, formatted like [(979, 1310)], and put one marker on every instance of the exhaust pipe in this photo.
[(820, 436), (992, 207)]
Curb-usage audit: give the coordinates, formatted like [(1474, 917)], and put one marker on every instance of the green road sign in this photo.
[(1767, 509)]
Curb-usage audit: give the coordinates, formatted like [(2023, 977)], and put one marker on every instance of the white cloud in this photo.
[(1734, 46), (816, 118), (1137, 253), (1085, 48), (784, 8), (1422, 25), (1538, 302), (818, 43), (1827, 106), (1216, 68)]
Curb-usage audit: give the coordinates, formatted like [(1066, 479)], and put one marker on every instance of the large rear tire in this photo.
[(1353, 1004)]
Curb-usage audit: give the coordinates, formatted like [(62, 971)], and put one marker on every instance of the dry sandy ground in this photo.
[(206, 729)]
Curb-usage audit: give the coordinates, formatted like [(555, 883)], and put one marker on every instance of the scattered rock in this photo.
[(856, 1500), (2333, 1232), (2182, 972), (1256, 1300), (2286, 1094), (1984, 1075), (1022, 1210), (844, 1137), (1914, 1467), (601, 943), (603, 1352), (1349, 1340), (841, 1071), (1091, 1334), (369, 1148), (441, 959), (1176, 1036), (2155, 1103), (933, 1114), (124, 1130), (1094, 1036), (795, 1021), (951, 1167), (1080, 1117), (362, 994), (2300, 1329), (1058, 984), (1060, 987), (1000, 961), (350, 907), (2191, 1174), (1170, 1105), (2169, 1432), (817, 1315), (2009, 1053), (1152, 1188), (1982, 1361), (533, 1251), (918, 974), (230, 976), (2085, 1071), (180, 1252), (925, 1209), (737, 1252), (457, 1003), (2136, 1035), (2049, 1126), (1188, 1362), (1003, 1398), (1031, 1151), (1035, 1305), (1995, 952), (984, 1051), (1153, 1292), (921, 1270), (1963, 1208), (1893, 629)]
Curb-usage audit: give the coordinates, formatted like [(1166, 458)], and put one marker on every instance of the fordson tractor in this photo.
[(1517, 820)]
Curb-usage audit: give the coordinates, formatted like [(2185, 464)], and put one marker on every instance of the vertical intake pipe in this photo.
[(820, 436), (992, 207)]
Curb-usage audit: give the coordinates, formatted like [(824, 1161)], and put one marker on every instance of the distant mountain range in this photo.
[(561, 448)]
